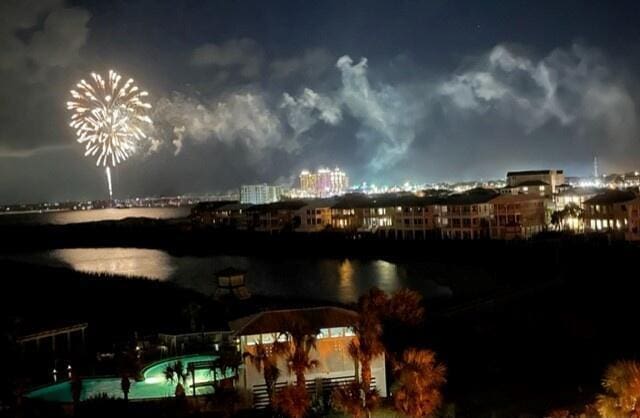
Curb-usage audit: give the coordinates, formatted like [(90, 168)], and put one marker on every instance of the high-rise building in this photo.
[(258, 194), (324, 182)]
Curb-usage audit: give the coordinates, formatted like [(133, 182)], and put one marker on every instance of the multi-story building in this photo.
[(466, 215), (275, 217), (529, 187), (323, 183), (334, 330), (259, 194), (633, 216), (415, 217), (205, 213), (538, 178), (518, 216), (608, 212), (315, 216)]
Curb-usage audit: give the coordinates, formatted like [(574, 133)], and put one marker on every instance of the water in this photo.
[(331, 279), (93, 215), (154, 385)]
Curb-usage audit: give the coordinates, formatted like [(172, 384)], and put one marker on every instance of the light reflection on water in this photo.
[(152, 264), (330, 279)]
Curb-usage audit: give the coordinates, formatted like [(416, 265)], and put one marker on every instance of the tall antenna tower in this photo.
[(595, 167)]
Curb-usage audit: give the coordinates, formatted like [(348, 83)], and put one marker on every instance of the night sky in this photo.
[(390, 91)]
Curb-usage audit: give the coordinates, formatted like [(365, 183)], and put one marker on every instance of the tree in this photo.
[(419, 378), (292, 401), (76, 390), (128, 367), (301, 339), (570, 211), (265, 361), (621, 383), (228, 360), (375, 308), (176, 373), (125, 385), (348, 398)]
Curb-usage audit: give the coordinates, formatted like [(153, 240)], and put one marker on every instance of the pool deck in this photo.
[(153, 386)]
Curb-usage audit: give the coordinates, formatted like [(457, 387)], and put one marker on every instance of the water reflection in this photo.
[(386, 275), (153, 264), (347, 288)]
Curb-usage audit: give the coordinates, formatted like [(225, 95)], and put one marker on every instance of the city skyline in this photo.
[(464, 97)]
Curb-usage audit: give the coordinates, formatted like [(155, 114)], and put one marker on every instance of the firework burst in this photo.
[(109, 117)]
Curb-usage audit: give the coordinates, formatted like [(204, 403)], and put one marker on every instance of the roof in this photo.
[(580, 191), (509, 198), (470, 197), (282, 320), (533, 183), (230, 271), (610, 197), (319, 203), (533, 172), (377, 201), (235, 206), (282, 205), (206, 206)]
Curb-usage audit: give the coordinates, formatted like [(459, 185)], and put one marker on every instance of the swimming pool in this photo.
[(153, 386)]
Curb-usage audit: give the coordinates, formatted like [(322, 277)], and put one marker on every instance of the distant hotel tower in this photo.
[(258, 194), (323, 183)]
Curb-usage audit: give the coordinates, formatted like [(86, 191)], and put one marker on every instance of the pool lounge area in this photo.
[(154, 385)]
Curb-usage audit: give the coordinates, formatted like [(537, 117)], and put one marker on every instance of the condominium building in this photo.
[(259, 194), (538, 180), (608, 212), (518, 216), (467, 215)]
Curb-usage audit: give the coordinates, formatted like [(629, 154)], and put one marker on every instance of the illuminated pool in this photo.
[(154, 384)]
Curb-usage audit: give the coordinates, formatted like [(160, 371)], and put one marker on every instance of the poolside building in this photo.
[(334, 334)]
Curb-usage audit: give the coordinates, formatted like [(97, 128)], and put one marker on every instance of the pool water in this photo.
[(153, 386)]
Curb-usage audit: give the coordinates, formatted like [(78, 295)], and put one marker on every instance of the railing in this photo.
[(325, 387)]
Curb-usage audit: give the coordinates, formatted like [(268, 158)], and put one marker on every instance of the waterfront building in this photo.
[(538, 180), (518, 216), (333, 327), (259, 194), (315, 216), (275, 217), (467, 215), (206, 213), (633, 216), (608, 212)]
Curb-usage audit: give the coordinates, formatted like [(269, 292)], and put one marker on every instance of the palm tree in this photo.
[(128, 367), (176, 373), (621, 383), (297, 350), (375, 307), (265, 361), (419, 378), (292, 401), (350, 399), (76, 390), (125, 385)]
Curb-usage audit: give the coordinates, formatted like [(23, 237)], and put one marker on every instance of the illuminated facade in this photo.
[(518, 217), (334, 334), (608, 212), (259, 194), (323, 183), (467, 216), (545, 181)]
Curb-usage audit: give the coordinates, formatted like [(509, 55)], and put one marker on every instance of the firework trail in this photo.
[(110, 117)]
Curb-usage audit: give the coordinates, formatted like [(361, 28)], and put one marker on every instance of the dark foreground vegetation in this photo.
[(539, 338)]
